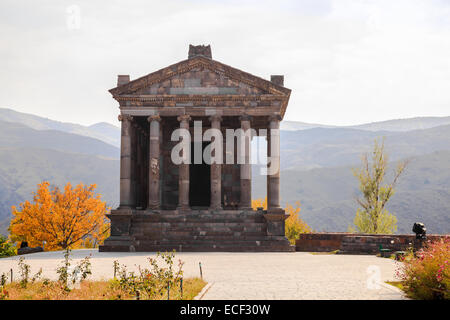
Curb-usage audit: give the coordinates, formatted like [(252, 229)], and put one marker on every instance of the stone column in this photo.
[(246, 167), (183, 173), (273, 169), (216, 171), (125, 161), (153, 171)]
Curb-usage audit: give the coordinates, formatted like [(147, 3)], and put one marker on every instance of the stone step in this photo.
[(211, 242), (196, 225), (254, 237), (203, 248), (232, 246), (198, 220), (199, 230), (199, 248)]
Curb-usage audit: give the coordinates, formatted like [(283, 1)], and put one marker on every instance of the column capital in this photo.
[(274, 117), (125, 117), (215, 117), (155, 117), (184, 117), (245, 117)]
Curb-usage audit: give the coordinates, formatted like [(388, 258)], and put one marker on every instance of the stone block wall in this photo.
[(200, 81), (356, 243)]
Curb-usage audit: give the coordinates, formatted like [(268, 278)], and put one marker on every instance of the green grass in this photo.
[(397, 284)]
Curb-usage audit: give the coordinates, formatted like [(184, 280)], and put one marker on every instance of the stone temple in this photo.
[(192, 205)]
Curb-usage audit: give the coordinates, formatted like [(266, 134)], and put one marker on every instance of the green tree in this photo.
[(373, 217), (7, 248)]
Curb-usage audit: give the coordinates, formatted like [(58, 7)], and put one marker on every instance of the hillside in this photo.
[(331, 147), (23, 168), (297, 125), (404, 125), (327, 194), (102, 131), (396, 125), (18, 135)]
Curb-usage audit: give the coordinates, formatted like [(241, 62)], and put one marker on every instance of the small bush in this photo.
[(153, 283), (426, 275), (70, 276), (7, 249), (294, 225)]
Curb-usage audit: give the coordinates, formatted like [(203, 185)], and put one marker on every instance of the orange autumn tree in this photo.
[(294, 225), (62, 219)]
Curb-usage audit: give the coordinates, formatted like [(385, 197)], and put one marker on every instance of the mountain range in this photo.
[(316, 163), (101, 131), (396, 125)]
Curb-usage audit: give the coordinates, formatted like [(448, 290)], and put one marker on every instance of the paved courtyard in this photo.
[(252, 275)]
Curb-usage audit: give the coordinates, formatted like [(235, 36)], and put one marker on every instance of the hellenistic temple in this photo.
[(194, 205)]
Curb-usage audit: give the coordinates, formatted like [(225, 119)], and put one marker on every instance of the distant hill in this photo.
[(397, 125), (22, 168), (18, 135), (327, 194), (102, 131), (111, 134), (297, 125), (108, 131), (331, 147), (404, 125)]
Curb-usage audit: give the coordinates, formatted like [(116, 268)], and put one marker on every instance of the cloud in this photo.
[(347, 62)]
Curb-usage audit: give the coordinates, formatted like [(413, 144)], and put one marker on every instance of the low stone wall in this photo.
[(320, 242), (356, 243)]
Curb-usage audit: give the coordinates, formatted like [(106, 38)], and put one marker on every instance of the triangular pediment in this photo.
[(199, 76)]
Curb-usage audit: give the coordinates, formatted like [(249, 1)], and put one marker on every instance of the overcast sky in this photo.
[(347, 62)]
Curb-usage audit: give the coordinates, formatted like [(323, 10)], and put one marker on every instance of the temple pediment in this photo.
[(199, 75)]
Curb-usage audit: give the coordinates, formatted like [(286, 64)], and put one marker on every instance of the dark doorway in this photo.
[(199, 180)]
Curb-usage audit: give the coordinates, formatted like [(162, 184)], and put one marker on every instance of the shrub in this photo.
[(7, 249), (294, 224), (153, 283), (70, 276), (426, 275)]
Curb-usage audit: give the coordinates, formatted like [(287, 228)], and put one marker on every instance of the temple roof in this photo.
[(200, 76)]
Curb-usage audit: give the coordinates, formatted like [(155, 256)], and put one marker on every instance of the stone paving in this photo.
[(243, 276)]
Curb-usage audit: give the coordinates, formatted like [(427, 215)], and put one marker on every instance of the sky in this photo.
[(346, 61)]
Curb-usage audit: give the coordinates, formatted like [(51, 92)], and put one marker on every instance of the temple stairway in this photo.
[(199, 231)]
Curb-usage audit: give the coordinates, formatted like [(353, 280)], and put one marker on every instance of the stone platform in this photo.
[(196, 231)]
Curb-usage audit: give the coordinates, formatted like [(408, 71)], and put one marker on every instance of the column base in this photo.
[(275, 210), (184, 208), (275, 218), (124, 207), (154, 206), (120, 222)]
